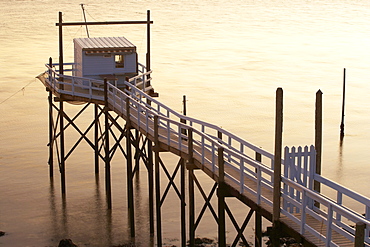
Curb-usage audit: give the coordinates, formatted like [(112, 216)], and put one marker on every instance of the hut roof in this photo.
[(107, 44)]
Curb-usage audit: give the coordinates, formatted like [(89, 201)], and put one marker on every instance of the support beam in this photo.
[(360, 234)]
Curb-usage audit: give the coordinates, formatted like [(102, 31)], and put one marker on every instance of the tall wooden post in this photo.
[(157, 182), (107, 153), (96, 138), (221, 199), (61, 65), (51, 128), (183, 209), (150, 165), (343, 102), (130, 192), (318, 139), (62, 156), (360, 234), (148, 44), (277, 166), (258, 217), (191, 190)]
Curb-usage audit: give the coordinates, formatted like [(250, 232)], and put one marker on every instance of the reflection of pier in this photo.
[(283, 191)]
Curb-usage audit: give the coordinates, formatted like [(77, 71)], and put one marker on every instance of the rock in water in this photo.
[(2, 233), (66, 243)]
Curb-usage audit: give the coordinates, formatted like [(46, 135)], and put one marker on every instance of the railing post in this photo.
[(360, 234), (277, 166), (221, 199)]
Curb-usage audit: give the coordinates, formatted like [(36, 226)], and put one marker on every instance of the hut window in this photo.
[(119, 59)]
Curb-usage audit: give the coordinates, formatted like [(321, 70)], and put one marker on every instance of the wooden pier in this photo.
[(283, 187)]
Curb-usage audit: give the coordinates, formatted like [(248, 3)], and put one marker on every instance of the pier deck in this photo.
[(248, 179)]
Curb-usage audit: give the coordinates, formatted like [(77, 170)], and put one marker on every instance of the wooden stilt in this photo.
[(151, 187), (107, 153), (191, 190), (258, 218), (51, 129), (277, 166), (221, 199), (130, 191), (183, 209), (191, 209), (157, 183), (62, 156), (96, 138), (150, 166)]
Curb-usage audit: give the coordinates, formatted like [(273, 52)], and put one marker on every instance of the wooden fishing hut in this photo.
[(114, 58)]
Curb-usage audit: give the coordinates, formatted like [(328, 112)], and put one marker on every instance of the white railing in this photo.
[(206, 139)]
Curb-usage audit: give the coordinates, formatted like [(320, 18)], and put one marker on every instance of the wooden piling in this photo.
[(343, 103), (277, 166), (258, 217), (221, 199), (360, 234), (318, 139), (96, 138), (51, 128), (191, 190), (62, 156), (130, 190), (61, 64), (106, 150), (157, 182)]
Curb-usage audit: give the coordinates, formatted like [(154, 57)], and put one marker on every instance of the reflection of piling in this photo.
[(343, 101)]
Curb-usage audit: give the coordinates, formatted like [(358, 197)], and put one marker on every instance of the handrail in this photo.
[(208, 142)]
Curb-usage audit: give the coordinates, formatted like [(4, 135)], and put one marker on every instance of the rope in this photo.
[(22, 89)]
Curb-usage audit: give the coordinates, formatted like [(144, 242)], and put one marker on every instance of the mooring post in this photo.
[(277, 166), (51, 126), (62, 156), (107, 155), (157, 182), (96, 137), (343, 102), (360, 234), (258, 217), (221, 199), (318, 139), (130, 192)]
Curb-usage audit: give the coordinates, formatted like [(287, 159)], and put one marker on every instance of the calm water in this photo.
[(227, 57)]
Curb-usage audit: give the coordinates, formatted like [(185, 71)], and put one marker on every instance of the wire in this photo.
[(22, 89)]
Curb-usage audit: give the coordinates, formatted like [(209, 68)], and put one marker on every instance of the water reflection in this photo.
[(340, 159)]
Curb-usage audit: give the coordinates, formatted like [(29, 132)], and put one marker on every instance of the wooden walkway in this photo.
[(249, 180)]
